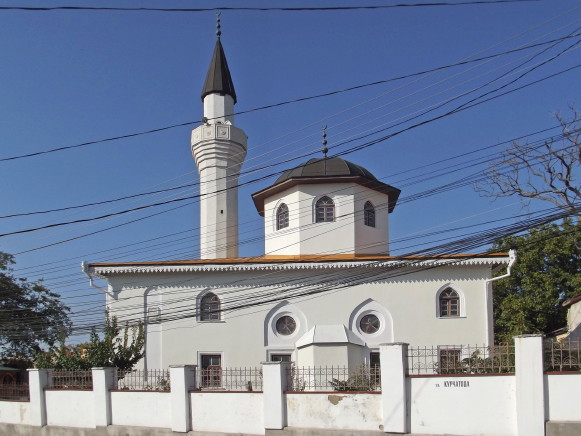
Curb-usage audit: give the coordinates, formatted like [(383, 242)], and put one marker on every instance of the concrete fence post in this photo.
[(393, 358), (182, 380), (530, 391), (103, 382), (37, 381), (273, 387)]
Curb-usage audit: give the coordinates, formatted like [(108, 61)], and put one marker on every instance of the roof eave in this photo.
[(259, 197)]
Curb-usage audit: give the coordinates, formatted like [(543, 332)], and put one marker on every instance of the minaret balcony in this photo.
[(212, 132)]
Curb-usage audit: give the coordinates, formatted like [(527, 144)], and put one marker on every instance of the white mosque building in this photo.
[(326, 292)]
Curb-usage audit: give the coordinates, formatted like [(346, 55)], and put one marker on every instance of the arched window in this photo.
[(369, 214), (210, 307), (282, 217), (449, 303), (324, 210)]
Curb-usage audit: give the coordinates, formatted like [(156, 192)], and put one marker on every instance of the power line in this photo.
[(261, 9), (292, 101)]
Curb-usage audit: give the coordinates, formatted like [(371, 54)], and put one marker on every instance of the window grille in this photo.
[(449, 303), (461, 359), (562, 356), (282, 217), (333, 378), (369, 214), (324, 210), (210, 307), (143, 380)]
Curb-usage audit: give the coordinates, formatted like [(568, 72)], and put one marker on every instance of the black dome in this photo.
[(331, 167), (330, 170)]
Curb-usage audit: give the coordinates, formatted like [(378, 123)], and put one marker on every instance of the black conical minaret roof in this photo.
[(218, 79)]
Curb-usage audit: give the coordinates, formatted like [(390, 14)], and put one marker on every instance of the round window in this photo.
[(369, 324), (286, 325)]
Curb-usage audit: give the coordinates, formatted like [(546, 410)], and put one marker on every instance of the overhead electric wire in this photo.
[(457, 246), (433, 251), (445, 170), (297, 100), (471, 103), (262, 9)]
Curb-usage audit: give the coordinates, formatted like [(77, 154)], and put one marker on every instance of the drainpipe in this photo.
[(511, 262), (85, 268)]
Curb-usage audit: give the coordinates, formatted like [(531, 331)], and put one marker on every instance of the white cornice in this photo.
[(108, 270)]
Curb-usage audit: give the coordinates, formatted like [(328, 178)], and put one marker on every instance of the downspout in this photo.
[(511, 262), (85, 268), (489, 318)]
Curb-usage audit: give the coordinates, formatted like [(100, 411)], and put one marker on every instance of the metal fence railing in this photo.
[(143, 380), (230, 379), (333, 378), (562, 356), (15, 392), (461, 359), (65, 379)]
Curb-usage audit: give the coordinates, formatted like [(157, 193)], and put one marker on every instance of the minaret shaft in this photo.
[(219, 150)]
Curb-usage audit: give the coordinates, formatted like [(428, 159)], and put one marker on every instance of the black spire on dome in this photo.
[(218, 79)]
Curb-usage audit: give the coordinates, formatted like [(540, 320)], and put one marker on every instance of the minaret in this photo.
[(219, 149)]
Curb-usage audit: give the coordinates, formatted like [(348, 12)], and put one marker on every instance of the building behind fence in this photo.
[(454, 389)]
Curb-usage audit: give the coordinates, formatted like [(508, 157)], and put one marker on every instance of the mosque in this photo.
[(326, 291)]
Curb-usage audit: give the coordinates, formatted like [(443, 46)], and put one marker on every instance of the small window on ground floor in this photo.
[(450, 361), (211, 372), (375, 366), (280, 357)]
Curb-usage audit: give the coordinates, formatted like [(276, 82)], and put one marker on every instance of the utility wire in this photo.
[(287, 102), (261, 9)]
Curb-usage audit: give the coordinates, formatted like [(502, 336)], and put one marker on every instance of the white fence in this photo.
[(513, 403)]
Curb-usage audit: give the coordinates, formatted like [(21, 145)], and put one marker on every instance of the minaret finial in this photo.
[(324, 149), (218, 25)]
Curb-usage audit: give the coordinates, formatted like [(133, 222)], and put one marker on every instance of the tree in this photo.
[(547, 271), (30, 315), (546, 172), (116, 349)]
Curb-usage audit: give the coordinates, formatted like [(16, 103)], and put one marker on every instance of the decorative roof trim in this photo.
[(260, 196), (104, 270)]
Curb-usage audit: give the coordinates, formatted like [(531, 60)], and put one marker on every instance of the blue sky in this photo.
[(69, 77)]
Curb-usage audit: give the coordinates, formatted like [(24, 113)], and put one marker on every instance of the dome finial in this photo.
[(324, 149), (218, 25)]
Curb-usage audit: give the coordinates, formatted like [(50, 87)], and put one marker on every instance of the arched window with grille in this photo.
[(449, 302), (210, 307), (369, 214), (282, 217), (324, 210)]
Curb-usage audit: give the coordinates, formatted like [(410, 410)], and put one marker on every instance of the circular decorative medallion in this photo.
[(369, 324), (286, 325)]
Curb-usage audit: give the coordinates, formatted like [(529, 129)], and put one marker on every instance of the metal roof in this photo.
[(218, 79), (326, 170), (333, 166)]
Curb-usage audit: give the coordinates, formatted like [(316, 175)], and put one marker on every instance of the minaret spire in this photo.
[(218, 79)]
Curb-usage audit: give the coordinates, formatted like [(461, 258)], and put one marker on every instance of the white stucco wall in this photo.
[(480, 405), (334, 411), (15, 412), (347, 234), (232, 412), (562, 397), (408, 301), (69, 408), (144, 409)]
